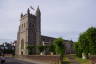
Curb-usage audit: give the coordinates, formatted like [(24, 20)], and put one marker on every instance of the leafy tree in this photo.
[(59, 47), (84, 44), (52, 48), (30, 49), (91, 36), (87, 42), (41, 48), (78, 49)]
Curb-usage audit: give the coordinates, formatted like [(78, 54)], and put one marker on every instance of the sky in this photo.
[(59, 18)]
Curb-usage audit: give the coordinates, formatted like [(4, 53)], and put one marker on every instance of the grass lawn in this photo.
[(80, 60)]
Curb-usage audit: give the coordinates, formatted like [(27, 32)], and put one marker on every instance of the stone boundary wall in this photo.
[(93, 59), (54, 59)]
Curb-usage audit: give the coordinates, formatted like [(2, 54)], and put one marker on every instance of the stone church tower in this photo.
[(29, 32)]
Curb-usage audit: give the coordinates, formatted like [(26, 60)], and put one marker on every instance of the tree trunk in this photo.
[(61, 59)]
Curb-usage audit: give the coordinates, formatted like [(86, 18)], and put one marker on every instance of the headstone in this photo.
[(83, 56)]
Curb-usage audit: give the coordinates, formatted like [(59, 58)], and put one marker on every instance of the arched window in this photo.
[(30, 24), (24, 25), (22, 44)]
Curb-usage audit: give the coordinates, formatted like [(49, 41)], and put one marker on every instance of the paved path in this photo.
[(72, 60), (16, 61)]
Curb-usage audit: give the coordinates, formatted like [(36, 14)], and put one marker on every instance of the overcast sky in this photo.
[(60, 18)]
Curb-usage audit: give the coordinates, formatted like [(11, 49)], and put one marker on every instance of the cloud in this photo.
[(60, 18)]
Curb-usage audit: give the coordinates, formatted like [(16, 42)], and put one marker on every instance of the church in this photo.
[(29, 33)]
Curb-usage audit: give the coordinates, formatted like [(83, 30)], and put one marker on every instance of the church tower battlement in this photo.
[(29, 32)]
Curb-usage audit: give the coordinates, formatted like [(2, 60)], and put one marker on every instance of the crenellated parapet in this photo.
[(37, 13)]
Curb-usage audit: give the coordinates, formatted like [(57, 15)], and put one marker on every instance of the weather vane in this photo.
[(32, 8)]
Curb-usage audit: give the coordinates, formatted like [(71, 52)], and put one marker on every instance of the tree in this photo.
[(30, 49), (87, 42), (78, 49), (41, 48), (52, 48), (91, 36), (84, 44), (59, 47)]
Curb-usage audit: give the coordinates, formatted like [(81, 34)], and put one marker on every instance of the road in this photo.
[(15, 61)]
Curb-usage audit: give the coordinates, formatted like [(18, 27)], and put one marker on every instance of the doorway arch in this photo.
[(22, 46)]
